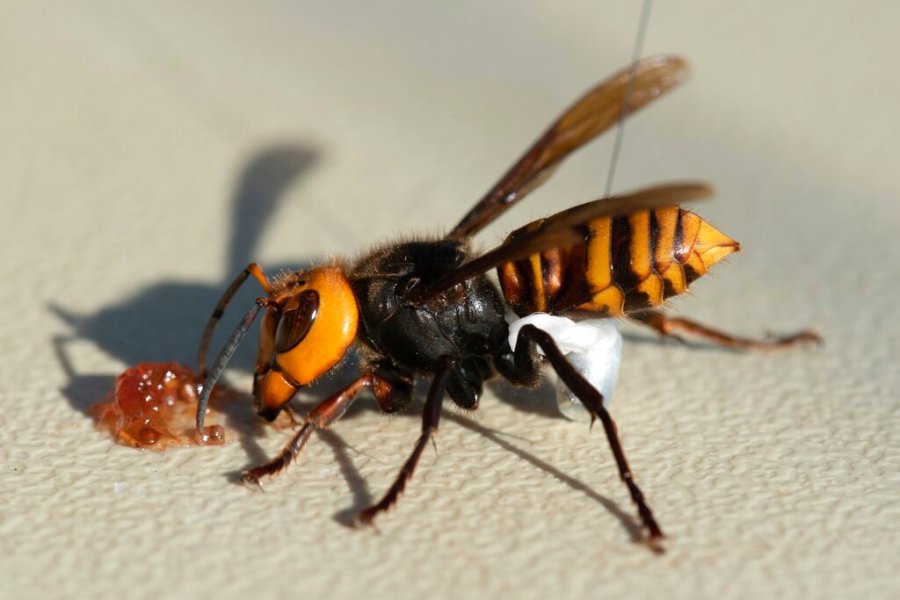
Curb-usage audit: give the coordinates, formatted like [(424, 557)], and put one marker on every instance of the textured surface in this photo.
[(142, 149)]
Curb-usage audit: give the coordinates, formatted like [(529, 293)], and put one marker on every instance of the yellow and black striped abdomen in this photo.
[(625, 264)]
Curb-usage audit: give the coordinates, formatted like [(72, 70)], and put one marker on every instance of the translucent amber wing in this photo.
[(630, 89)]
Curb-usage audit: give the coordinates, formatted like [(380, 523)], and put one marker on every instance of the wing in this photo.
[(561, 229), (630, 89)]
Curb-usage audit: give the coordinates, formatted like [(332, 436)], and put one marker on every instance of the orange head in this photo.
[(307, 331)]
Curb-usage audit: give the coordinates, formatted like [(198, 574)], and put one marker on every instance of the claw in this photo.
[(774, 341), (655, 544), (366, 518), (251, 482), (809, 337)]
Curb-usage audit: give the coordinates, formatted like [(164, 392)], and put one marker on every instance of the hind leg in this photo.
[(525, 363), (669, 326)]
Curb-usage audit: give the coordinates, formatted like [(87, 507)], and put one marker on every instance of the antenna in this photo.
[(222, 360), (620, 128)]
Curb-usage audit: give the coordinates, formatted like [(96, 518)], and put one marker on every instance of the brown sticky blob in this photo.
[(154, 406)]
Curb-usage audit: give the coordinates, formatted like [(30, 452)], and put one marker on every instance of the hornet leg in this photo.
[(667, 327), (430, 418), (530, 335), (392, 389)]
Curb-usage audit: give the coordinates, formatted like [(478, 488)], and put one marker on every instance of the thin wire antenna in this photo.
[(620, 128)]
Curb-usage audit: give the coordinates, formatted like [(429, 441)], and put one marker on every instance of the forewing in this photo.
[(563, 229), (628, 90)]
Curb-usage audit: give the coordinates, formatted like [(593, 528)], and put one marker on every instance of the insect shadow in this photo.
[(163, 322), (540, 400), (362, 495)]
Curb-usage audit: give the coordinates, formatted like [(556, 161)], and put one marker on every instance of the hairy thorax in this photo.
[(467, 320)]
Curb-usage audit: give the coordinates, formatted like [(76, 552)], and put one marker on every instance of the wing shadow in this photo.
[(163, 321)]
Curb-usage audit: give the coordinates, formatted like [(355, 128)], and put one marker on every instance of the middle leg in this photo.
[(430, 418)]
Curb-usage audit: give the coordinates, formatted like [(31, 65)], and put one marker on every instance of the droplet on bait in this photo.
[(153, 406)]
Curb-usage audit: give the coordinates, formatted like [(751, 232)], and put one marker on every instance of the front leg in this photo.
[(391, 387), (668, 326)]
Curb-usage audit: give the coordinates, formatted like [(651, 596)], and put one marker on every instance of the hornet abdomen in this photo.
[(625, 264)]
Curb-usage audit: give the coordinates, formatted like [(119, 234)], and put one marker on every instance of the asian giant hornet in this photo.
[(427, 308)]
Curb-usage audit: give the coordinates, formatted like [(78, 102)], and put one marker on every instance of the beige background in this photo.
[(141, 144)]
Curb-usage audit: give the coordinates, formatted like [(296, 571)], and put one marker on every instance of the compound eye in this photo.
[(295, 324)]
